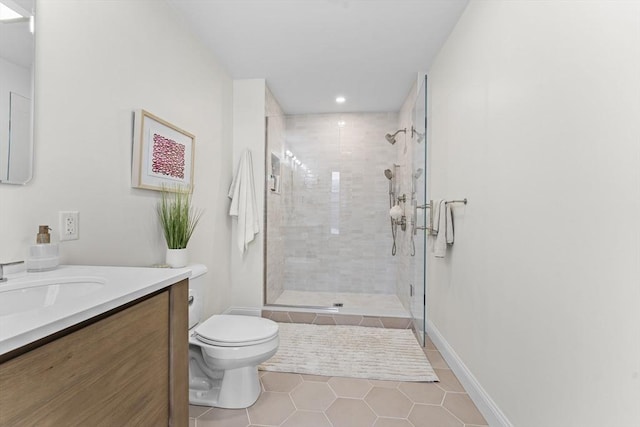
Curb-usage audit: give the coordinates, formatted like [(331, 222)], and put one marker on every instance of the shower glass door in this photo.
[(418, 264)]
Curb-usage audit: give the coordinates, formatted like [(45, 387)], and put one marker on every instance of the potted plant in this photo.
[(178, 220)]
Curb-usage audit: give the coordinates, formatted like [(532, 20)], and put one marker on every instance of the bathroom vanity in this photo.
[(113, 355)]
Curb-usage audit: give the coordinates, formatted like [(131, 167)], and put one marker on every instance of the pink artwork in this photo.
[(163, 154), (168, 157)]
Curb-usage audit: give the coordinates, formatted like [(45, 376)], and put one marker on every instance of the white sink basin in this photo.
[(40, 293), (36, 305)]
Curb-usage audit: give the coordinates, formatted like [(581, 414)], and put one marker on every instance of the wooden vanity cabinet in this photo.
[(127, 367)]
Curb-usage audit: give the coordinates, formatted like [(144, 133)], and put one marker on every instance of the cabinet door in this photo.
[(113, 372)]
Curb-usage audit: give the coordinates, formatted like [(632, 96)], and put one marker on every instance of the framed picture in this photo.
[(163, 154)]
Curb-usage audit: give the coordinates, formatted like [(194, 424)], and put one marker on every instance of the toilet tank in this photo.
[(196, 293)]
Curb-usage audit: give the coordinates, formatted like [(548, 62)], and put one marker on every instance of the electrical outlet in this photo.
[(69, 225)]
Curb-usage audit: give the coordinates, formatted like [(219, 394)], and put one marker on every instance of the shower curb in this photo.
[(337, 319)]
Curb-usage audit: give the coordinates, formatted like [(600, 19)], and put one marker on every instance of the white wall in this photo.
[(249, 133), (97, 61), (535, 111)]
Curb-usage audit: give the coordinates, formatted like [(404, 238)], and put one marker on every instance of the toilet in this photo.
[(225, 351)]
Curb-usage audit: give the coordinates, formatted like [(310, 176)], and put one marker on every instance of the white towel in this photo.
[(443, 223), (243, 202)]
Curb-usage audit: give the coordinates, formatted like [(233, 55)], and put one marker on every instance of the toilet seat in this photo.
[(228, 330)]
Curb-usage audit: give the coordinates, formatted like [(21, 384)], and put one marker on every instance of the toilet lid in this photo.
[(233, 330)]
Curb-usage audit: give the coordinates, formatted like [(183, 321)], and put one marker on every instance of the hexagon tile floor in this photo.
[(295, 400)]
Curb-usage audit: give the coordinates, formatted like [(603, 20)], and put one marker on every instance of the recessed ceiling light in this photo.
[(340, 99)]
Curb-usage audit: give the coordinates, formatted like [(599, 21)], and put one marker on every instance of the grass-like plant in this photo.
[(177, 217)]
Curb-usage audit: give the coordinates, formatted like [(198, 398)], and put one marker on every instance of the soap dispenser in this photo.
[(43, 255), (43, 234)]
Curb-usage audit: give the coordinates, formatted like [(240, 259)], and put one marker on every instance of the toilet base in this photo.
[(230, 388)]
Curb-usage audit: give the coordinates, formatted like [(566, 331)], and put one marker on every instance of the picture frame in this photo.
[(163, 154)]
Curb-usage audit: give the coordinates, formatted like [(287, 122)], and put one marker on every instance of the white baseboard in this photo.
[(487, 407), (244, 311)]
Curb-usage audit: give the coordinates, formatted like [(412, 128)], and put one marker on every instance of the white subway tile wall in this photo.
[(330, 222)]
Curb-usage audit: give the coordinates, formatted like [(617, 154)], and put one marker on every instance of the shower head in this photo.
[(420, 136), (392, 137), (388, 173)]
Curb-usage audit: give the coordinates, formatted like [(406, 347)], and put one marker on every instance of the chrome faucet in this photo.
[(6, 264)]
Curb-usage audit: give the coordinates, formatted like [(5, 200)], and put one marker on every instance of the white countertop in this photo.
[(121, 285)]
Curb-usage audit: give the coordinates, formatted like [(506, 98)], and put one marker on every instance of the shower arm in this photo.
[(392, 137)]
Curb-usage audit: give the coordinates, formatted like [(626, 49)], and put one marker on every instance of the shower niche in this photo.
[(274, 177)]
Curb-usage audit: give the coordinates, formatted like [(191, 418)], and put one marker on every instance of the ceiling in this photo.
[(311, 51)]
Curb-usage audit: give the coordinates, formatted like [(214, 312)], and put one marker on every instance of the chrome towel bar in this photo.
[(457, 201), (429, 205)]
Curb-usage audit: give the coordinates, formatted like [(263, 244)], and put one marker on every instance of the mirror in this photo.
[(16, 90)]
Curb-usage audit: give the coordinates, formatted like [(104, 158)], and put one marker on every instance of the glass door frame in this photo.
[(421, 207)]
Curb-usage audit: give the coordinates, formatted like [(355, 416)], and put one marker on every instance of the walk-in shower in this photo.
[(340, 187), (328, 236)]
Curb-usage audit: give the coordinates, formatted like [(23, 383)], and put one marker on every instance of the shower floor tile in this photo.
[(353, 303)]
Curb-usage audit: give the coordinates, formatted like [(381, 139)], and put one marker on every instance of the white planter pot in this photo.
[(176, 258)]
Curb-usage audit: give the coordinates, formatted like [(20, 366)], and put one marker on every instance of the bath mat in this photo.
[(350, 351)]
